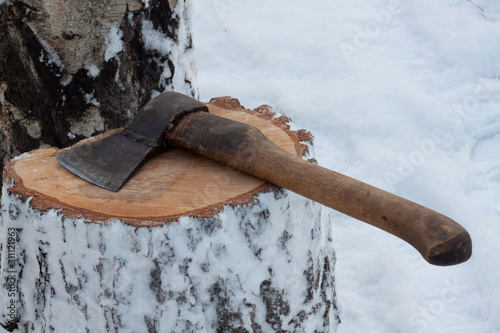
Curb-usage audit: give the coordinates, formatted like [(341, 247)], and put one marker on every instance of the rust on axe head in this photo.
[(110, 162)]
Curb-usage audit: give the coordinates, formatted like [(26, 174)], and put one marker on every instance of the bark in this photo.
[(70, 69), (262, 268)]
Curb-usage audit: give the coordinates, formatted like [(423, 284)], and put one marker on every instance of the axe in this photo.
[(178, 120)]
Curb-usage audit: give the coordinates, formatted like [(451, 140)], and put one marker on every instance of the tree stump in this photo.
[(187, 245), (70, 69)]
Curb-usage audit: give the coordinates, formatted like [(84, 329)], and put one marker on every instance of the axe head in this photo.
[(111, 161)]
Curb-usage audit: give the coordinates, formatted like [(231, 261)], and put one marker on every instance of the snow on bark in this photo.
[(260, 268)]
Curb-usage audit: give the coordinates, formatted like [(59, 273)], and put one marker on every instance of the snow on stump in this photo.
[(187, 245)]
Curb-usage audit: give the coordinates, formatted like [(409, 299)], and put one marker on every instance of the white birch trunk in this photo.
[(249, 269)]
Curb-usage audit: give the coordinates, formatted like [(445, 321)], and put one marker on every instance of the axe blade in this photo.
[(108, 162), (111, 161)]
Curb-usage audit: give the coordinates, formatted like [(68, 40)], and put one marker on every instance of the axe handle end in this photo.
[(440, 240)]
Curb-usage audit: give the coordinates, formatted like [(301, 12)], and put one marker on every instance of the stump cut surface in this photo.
[(172, 184)]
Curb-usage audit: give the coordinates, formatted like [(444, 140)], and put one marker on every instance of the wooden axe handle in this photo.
[(440, 240)]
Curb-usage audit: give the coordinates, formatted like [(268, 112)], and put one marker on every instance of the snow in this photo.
[(402, 95), (179, 52), (155, 39), (49, 55), (93, 71), (114, 43), (90, 99)]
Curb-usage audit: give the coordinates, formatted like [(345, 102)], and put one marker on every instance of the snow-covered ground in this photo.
[(404, 95)]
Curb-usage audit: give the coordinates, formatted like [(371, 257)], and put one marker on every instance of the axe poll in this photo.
[(178, 120)]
